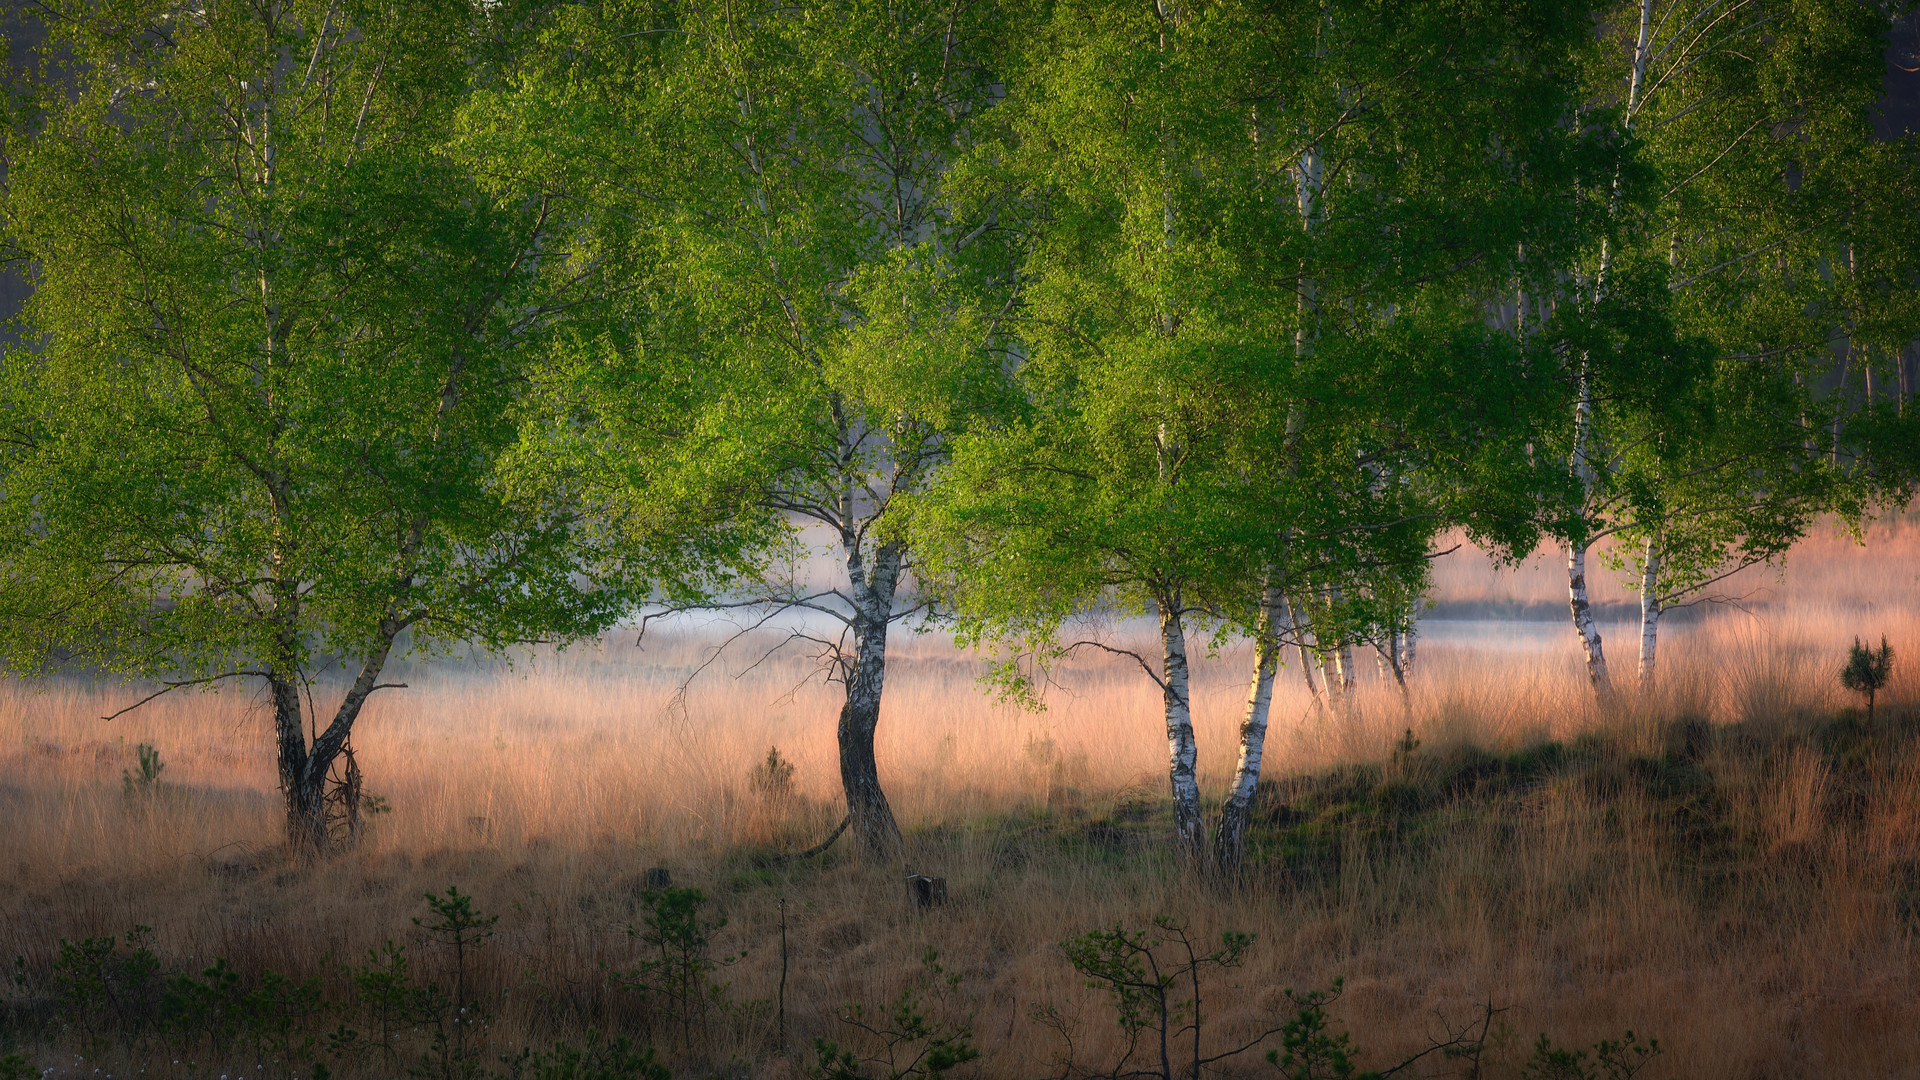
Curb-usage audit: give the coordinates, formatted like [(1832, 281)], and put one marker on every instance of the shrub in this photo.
[(772, 779), (1867, 670)]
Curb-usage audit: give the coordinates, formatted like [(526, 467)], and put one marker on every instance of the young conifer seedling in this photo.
[(1867, 670)]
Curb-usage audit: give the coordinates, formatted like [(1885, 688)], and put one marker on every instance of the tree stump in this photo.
[(925, 892)]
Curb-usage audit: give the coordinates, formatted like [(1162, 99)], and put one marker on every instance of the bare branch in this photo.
[(170, 686)]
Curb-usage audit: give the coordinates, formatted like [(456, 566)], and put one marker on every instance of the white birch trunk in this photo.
[(1342, 658), (1649, 612), (1229, 842), (1189, 830), (875, 828), (1407, 647), (1580, 460), (1583, 620)]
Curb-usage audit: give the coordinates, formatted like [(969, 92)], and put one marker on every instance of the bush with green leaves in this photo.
[(459, 929), (391, 1002), (1153, 980), (772, 778), (217, 1009)]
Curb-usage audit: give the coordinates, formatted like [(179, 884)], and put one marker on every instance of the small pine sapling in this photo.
[(772, 779), (680, 980), (1612, 1060), (145, 783), (910, 1044), (1154, 977), (1310, 1048), (597, 1059), (1867, 670), (460, 929)]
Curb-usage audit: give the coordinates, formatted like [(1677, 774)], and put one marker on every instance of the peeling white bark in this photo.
[(1649, 611), (1583, 620), (1189, 830), (1580, 461), (1237, 813)]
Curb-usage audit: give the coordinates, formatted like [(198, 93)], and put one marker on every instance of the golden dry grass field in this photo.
[(1731, 865)]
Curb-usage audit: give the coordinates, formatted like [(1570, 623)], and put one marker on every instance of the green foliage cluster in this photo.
[(117, 988), (146, 783), (1153, 979), (772, 778), (1867, 670)]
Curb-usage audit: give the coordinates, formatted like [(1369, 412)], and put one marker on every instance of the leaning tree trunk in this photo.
[(1583, 622), (874, 827), (1297, 624), (872, 816), (1230, 839), (1189, 831), (1649, 612)]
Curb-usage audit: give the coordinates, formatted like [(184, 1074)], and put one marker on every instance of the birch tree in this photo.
[(272, 365), (786, 166), (1725, 277), (1254, 362)]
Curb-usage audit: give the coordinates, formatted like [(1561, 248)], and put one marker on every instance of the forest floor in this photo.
[(1729, 864)]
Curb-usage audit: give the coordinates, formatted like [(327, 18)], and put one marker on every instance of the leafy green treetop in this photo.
[(803, 270), (275, 362), (1254, 357)]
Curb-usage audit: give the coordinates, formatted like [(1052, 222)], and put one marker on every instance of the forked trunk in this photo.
[(1583, 620), (1230, 839), (1189, 831), (303, 768), (306, 800), (1649, 612)]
